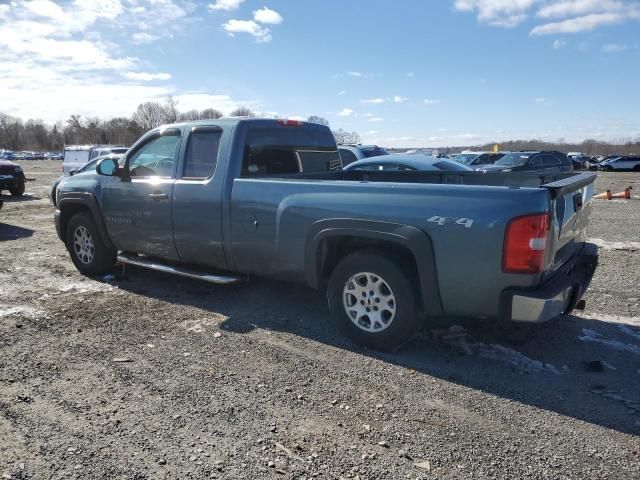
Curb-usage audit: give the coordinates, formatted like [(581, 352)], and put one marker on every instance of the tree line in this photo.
[(16, 134)]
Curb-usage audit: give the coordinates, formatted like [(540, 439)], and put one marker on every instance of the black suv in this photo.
[(532, 161), (11, 178)]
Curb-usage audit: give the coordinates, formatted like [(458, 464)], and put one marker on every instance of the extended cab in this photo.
[(222, 200)]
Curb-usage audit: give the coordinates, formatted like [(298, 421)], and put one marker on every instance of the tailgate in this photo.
[(571, 200)]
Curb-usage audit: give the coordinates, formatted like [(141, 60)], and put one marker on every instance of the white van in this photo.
[(77, 156)]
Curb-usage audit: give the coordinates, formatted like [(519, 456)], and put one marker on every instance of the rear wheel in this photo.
[(608, 169), (88, 252), (636, 168), (373, 301), (18, 189)]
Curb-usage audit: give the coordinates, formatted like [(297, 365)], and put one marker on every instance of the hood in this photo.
[(496, 168), (7, 163)]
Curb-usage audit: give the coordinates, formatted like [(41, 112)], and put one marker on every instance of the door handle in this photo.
[(158, 196)]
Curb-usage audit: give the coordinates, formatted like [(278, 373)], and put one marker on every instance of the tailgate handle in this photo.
[(577, 201)]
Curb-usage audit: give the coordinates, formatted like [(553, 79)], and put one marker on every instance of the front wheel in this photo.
[(87, 250), (18, 189), (373, 301), (608, 169), (636, 168)]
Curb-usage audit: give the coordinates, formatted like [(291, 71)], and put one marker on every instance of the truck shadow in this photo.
[(27, 197), (585, 367), (13, 232)]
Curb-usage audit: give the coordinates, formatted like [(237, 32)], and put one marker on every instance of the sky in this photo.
[(402, 74)]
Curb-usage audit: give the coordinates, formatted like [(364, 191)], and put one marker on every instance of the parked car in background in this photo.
[(88, 167), (620, 164), (403, 163), (477, 160), (104, 151), (11, 178), (6, 155), (353, 153), (76, 156), (54, 156), (578, 161), (533, 161), (259, 197)]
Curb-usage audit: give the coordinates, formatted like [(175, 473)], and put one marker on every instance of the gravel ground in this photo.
[(152, 376)]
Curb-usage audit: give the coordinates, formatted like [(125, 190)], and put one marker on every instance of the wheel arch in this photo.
[(72, 204), (329, 241)]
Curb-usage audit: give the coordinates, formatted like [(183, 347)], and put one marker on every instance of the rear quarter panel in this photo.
[(270, 220)]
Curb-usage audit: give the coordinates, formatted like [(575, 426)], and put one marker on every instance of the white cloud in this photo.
[(261, 34), (55, 61), (577, 15), (540, 100), (372, 132), (342, 92), (614, 48), (375, 101), (500, 13), (226, 5), (569, 8), (345, 112), (369, 115), (268, 16), (557, 44), (355, 74), (432, 101), (399, 99), (578, 24), (376, 119), (146, 77)]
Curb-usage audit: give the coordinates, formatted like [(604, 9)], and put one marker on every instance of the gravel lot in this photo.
[(152, 376)]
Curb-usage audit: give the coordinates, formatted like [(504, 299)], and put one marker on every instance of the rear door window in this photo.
[(282, 150), (347, 156), (202, 153)]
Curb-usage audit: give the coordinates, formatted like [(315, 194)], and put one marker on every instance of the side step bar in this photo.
[(151, 264)]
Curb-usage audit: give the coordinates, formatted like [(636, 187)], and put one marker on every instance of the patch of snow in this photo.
[(22, 311), (624, 246), (85, 287), (592, 336), (515, 358)]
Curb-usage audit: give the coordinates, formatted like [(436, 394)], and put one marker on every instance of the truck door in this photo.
[(197, 197), (137, 209)]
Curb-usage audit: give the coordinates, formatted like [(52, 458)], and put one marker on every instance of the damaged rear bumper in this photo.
[(558, 296)]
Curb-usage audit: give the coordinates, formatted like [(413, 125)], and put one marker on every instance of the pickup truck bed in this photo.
[(473, 244)]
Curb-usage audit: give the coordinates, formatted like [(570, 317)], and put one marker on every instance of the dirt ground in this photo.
[(155, 377)]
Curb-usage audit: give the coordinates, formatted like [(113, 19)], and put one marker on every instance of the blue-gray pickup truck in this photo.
[(223, 200)]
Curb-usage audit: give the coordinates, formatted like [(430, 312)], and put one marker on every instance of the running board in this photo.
[(151, 264)]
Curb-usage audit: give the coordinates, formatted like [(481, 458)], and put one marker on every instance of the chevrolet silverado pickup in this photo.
[(223, 200)]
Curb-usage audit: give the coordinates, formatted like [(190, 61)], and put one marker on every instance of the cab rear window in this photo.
[(286, 150)]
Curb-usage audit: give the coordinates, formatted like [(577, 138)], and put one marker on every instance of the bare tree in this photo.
[(242, 112), (318, 120), (150, 115), (171, 110), (343, 137), (11, 129)]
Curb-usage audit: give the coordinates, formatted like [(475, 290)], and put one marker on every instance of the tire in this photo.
[(85, 245), (608, 169), (636, 168), (18, 190), (393, 301)]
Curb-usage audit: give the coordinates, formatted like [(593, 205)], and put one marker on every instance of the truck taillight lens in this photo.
[(525, 242), (290, 123)]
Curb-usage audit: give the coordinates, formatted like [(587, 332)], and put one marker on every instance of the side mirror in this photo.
[(73, 172), (107, 167)]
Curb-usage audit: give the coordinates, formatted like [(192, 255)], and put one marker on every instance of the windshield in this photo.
[(513, 159), (374, 152), (465, 158)]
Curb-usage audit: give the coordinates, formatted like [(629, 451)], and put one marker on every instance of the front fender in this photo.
[(69, 202)]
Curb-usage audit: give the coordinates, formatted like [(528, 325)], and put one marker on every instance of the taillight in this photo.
[(290, 123), (525, 242)]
